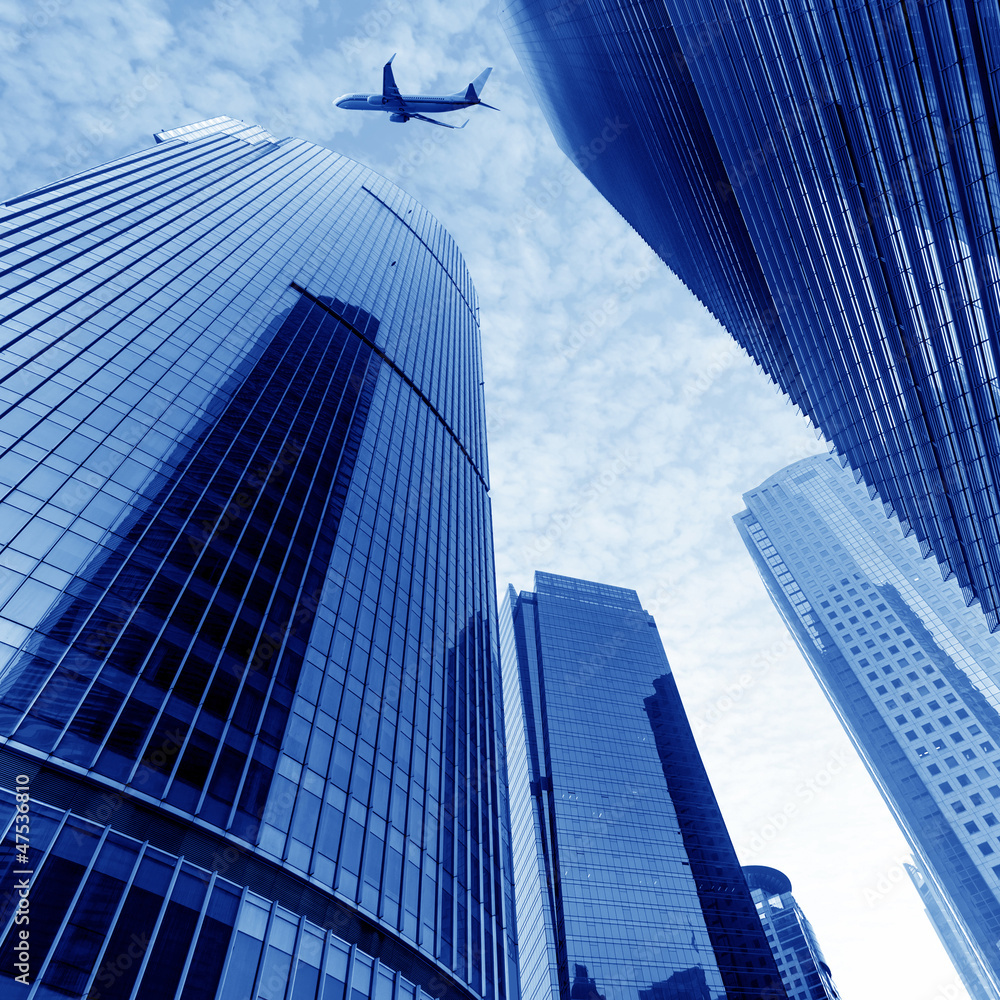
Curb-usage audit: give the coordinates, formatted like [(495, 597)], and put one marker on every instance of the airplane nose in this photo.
[(341, 101)]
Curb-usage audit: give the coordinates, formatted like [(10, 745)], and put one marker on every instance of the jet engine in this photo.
[(399, 118)]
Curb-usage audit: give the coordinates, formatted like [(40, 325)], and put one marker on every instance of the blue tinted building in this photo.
[(912, 673), (249, 674), (951, 936), (793, 942), (822, 177), (627, 884)]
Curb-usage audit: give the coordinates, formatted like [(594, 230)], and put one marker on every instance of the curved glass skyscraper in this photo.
[(249, 678), (823, 178)]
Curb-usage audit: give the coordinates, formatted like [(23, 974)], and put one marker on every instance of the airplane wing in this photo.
[(390, 92), (434, 121)]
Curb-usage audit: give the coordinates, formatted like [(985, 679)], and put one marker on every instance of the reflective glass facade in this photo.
[(913, 674), (803, 969), (627, 885), (824, 178), (950, 935), (247, 609)]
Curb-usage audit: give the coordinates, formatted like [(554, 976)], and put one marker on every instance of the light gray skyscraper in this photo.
[(793, 942), (912, 672)]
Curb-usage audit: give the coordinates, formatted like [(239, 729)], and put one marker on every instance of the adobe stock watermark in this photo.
[(554, 188), (258, 479), (34, 25), (804, 792), (562, 520), (603, 316), (734, 692), (373, 25), (81, 152), (896, 874)]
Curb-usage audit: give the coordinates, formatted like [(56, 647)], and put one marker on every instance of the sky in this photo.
[(624, 424)]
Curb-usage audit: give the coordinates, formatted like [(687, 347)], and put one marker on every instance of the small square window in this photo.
[(933, 769), (962, 713), (950, 761), (911, 736), (917, 713), (985, 849), (900, 719), (969, 754), (922, 690), (981, 772), (945, 721), (881, 689), (927, 727), (964, 780), (873, 676), (994, 790), (988, 747), (933, 706), (971, 827), (890, 704), (907, 697), (946, 787), (989, 819), (911, 676), (959, 807), (976, 799)]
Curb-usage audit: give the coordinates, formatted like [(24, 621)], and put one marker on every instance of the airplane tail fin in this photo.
[(476, 87)]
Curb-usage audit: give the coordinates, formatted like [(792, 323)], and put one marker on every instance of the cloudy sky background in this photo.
[(624, 424)]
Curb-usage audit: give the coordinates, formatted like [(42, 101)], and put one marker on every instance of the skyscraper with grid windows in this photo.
[(912, 673), (823, 178), (249, 676), (626, 880), (793, 942)]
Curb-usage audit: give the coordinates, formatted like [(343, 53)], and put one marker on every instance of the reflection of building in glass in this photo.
[(911, 671), (247, 629), (800, 960), (583, 987), (799, 167), (950, 936), (627, 885), (688, 984)]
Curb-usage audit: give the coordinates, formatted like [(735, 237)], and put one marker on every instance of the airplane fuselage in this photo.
[(421, 103)]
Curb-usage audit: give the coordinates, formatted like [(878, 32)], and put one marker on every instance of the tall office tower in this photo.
[(627, 885), (913, 674), (250, 681), (800, 959), (822, 178), (951, 937)]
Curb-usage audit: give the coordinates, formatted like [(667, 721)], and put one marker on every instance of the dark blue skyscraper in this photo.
[(823, 178), (912, 673), (627, 884), (249, 675)]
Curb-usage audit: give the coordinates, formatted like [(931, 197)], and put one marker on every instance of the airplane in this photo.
[(403, 107)]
